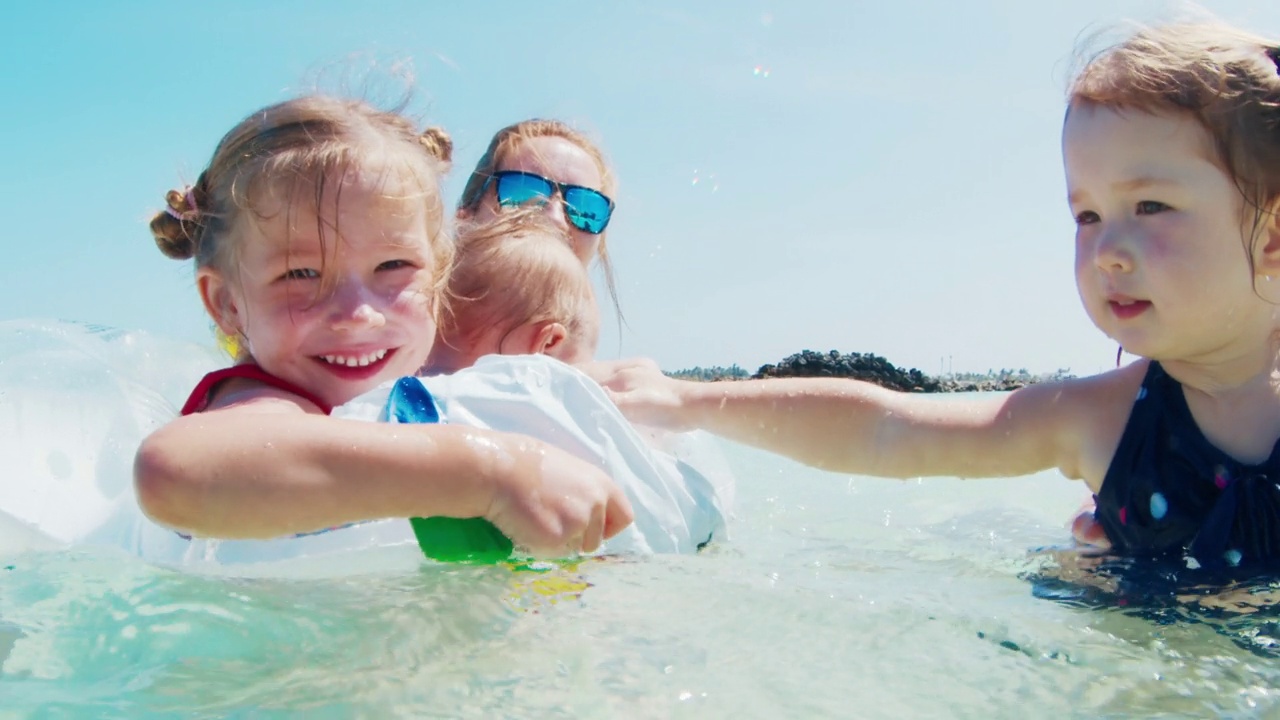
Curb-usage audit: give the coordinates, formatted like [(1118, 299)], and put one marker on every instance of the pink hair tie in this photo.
[(189, 199)]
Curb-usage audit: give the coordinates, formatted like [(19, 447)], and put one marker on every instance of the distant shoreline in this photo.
[(873, 369)]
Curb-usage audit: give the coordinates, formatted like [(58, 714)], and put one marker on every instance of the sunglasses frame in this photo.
[(556, 188)]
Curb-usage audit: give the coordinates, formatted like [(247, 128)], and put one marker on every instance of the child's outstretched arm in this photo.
[(851, 426), (235, 473)]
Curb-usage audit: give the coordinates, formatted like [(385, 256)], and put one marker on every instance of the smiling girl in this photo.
[(318, 237)]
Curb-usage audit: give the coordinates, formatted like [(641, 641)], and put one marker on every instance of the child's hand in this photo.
[(642, 392), (552, 504), (1088, 531)]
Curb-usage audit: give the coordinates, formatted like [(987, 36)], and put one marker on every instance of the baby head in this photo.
[(1225, 79), (1171, 151), (516, 288)]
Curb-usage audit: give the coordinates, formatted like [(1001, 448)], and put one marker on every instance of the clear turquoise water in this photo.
[(836, 597)]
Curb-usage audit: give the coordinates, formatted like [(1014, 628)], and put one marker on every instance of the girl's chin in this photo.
[(341, 393)]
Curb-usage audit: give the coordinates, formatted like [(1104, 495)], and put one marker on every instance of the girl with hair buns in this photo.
[(319, 242)]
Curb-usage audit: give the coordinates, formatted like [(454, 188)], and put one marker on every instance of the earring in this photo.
[(233, 345)]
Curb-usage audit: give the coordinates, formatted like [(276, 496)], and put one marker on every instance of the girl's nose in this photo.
[(354, 307), (1113, 252)]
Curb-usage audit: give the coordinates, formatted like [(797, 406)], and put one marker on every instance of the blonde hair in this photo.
[(504, 144), (307, 140), (1225, 78), (514, 269)]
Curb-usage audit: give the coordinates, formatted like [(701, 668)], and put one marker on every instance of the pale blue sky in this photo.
[(892, 183)]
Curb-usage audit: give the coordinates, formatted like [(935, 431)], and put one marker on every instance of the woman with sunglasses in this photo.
[(548, 163)]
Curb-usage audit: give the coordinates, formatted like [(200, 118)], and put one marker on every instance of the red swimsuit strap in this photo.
[(200, 396)]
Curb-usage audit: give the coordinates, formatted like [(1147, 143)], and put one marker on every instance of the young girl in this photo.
[(1172, 153), (317, 232), (515, 288)]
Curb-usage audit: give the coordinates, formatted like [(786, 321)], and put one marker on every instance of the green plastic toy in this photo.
[(461, 540)]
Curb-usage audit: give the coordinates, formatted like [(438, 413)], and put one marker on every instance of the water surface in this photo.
[(836, 596)]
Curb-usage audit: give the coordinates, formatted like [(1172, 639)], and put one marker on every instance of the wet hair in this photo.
[(500, 149), (1228, 80), (514, 269), (299, 146)]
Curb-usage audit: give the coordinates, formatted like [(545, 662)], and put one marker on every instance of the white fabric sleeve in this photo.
[(680, 498)]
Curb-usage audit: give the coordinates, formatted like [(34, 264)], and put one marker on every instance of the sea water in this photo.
[(836, 596)]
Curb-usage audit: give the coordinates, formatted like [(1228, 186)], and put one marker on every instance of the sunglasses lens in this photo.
[(516, 189), (587, 209)]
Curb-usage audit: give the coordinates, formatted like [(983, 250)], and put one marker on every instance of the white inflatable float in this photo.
[(75, 401)]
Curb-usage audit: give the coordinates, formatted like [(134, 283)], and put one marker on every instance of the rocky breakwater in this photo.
[(877, 370)]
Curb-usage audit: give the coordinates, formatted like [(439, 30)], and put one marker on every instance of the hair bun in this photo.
[(439, 144), (171, 227)]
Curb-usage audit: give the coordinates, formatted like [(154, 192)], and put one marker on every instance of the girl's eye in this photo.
[(395, 265), (1150, 207), (300, 274), (1088, 217)]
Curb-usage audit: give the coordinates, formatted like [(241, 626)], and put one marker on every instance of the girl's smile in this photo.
[(357, 367)]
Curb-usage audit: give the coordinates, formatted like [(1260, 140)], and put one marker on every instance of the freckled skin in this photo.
[(364, 292)]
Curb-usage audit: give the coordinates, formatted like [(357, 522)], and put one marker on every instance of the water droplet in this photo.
[(705, 179)]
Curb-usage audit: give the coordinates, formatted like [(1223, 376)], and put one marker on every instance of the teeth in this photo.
[(356, 360)]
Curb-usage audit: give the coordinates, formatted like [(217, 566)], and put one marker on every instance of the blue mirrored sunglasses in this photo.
[(586, 209)]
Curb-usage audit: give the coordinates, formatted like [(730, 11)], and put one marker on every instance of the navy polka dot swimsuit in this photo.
[(1169, 491)]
